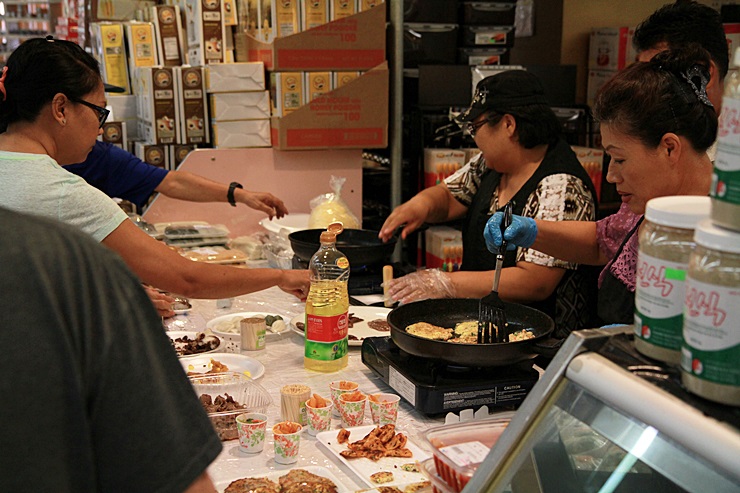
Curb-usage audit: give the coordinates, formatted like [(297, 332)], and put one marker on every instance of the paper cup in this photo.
[(338, 388), (293, 403), (287, 444), (251, 428), (319, 418), (384, 408), (352, 412)]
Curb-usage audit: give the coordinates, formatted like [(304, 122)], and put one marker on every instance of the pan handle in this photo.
[(548, 347)]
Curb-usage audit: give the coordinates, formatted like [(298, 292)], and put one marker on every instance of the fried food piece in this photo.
[(414, 487), (469, 328), (382, 477), (380, 325), (252, 485), (300, 480), (399, 452), (410, 467), (388, 489), (466, 339), (343, 436), (429, 331)]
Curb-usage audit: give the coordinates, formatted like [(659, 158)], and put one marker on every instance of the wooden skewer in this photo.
[(387, 276)]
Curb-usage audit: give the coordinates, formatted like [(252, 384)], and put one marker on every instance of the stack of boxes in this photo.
[(610, 50)]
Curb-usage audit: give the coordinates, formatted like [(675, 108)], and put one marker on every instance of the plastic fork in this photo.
[(491, 314)]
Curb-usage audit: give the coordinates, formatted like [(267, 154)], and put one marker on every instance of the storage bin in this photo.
[(487, 35), (426, 44), (483, 56), (488, 14), (430, 11)]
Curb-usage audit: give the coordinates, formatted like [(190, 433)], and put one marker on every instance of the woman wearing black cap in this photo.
[(524, 161)]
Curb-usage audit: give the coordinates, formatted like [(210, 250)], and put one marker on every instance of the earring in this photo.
[(64, 121)]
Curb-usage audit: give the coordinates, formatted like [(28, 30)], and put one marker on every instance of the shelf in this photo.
[(27, 2), (13, 20)]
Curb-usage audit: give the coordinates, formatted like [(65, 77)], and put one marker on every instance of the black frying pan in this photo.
[(361, 246), (448, 312)]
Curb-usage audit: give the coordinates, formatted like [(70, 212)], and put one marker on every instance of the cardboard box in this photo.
[(230, 12), (593, 161), (441, 163), (244, 133), (314, 13), (234, 106), (154, 154), (352, 43), (178, 153), (170, 43), (355, 116), (141, 43), (610, 48), (286, 17), (596, 79), (206, 32), (315, 84), (444, 248), (123, 109), (732, 33), (235, 77), (194, 127), (157, 108), (108, 41), (115, 133)]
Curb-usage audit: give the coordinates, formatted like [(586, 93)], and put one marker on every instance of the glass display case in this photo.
[(605, 419)]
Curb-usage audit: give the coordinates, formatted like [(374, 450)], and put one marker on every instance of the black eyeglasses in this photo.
[(102, 112), (471, 127)]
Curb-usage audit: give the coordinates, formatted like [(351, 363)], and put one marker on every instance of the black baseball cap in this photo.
[(112, 88), (504, 91)]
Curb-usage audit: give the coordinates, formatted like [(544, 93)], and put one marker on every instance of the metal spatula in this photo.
[(491, 314)]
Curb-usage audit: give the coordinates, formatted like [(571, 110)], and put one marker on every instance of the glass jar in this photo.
[(666, 242), (725, 188), (710, 350)]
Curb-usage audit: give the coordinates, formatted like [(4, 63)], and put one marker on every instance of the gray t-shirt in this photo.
[(36, 184), (93, 395)]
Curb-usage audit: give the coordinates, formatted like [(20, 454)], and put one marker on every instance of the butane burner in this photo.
[(434, 387)]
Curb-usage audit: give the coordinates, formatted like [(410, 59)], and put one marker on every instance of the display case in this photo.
[(605, 419), (23, 19)]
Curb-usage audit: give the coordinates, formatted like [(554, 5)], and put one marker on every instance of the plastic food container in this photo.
[(241, 388), (438, 484), (458, 449)]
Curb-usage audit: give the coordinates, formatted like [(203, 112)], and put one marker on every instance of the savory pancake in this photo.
[(469, 328), (429, 331)]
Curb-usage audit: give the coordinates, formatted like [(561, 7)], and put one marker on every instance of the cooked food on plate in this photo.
[(379, 324), (295, 481), (382, 441), (382, 477), (225, 425), (253, 485), (410, 467), (414, 487), (216, 367), (185, 345)]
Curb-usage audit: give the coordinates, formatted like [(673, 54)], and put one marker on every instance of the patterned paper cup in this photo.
[(338, 388), (252, 428), (384, 408), (287, 436), (352, 408), (319, 418)]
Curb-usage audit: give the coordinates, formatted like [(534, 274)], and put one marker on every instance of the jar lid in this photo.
[(708, 235), (678, 211)]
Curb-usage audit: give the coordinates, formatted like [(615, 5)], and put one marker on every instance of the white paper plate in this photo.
[(275, 476), (176, 334), (231, 317), (292, 222), (360, 330), (364, 468), (239, 363)]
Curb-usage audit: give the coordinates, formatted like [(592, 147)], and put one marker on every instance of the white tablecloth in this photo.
[(283, 361)]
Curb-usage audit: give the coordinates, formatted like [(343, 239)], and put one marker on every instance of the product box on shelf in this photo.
[(483, 56), (593, 162), (286, 17), (206, 32), (487, 35), (352, 43), (235, 77), (123, 109), (596, 79), (114, 132), (340, 9), (732, 34), (108, 42), (443, 248), (610, 48), (314, 13), (441, 163), (230, 12), (170, 42), (315, 84), (354, 116), (231, 106), (338, 79), (194, 128), (286, 92), (242, 133), (154, 154), (141, 43), (178, 153), (157, 108)]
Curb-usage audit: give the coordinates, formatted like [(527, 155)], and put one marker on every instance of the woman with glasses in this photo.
[(523, 160), (51, 113), (657, 123)]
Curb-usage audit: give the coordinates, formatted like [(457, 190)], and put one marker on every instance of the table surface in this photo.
[(283, 361)]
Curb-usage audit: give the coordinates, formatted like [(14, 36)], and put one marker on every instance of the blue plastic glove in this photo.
[(521, 232)]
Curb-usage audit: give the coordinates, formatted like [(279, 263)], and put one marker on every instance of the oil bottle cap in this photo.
[(328, 237), (335, 228)]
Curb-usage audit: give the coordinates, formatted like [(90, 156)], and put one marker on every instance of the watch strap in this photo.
[(230, 194)]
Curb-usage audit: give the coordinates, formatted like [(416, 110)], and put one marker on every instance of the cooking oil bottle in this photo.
[(327, 306)]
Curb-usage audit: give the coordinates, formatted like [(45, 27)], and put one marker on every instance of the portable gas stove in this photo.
[(434, 387), (366, 279)]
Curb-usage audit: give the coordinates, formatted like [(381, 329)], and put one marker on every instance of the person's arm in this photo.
[(156, 264), (573, 241), (434, 205), (524, 283), (195, 188)]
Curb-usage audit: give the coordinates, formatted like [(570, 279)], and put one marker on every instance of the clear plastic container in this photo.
[(241, 388), (327, 307), (458, 449), (666, 241), (725, 190), (438, 484), (711, 346)]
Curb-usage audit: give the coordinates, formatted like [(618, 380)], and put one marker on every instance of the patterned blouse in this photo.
[(610, 233)]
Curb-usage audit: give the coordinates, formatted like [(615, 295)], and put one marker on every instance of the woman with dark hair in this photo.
[(51, 112), (656, 124), (525, 162)]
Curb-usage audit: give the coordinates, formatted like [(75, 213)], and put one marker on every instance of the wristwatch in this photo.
[(230, 193)]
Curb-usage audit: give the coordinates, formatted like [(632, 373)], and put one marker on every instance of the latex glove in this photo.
[(421, 285), (521, 232)]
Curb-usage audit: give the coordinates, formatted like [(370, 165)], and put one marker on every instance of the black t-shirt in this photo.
[(93, 396)]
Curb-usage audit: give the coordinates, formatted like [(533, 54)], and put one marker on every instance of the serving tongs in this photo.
[(491, 314)]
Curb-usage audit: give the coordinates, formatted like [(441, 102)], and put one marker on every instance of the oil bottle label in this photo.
[(326, 337), (711, 347), (659, 300), (726, 176)]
